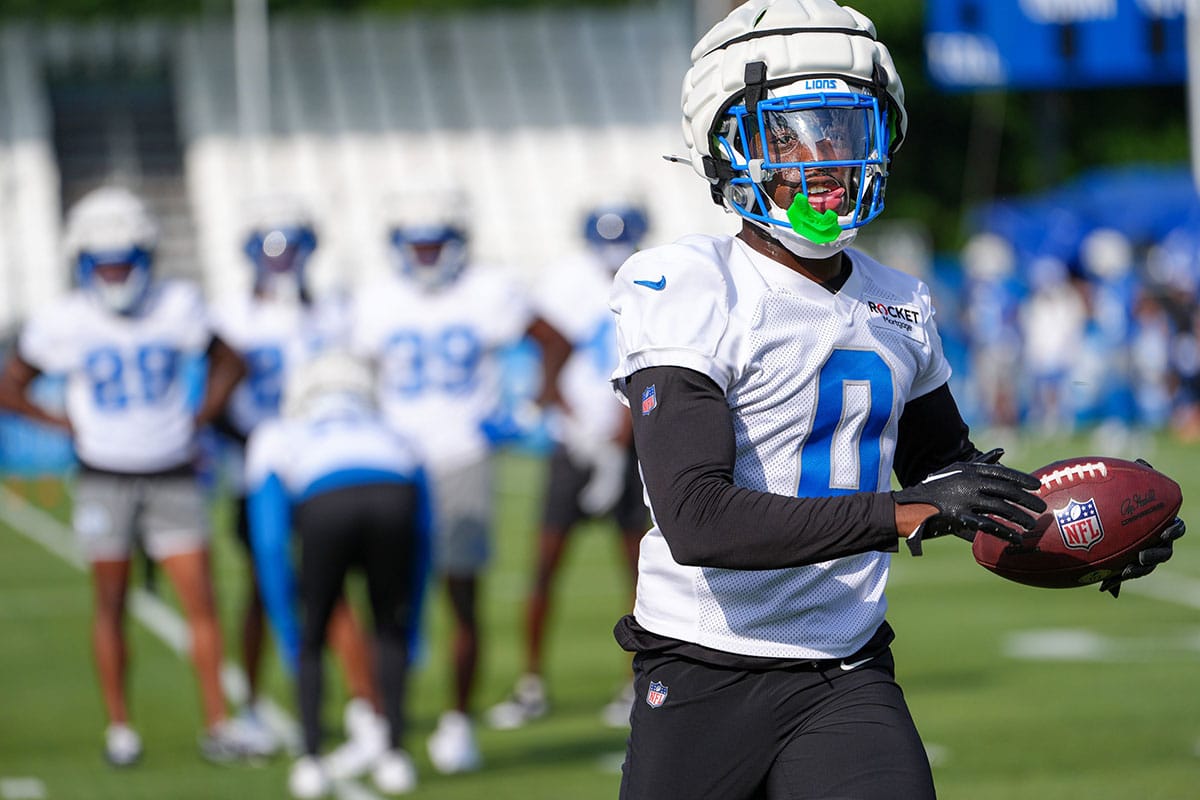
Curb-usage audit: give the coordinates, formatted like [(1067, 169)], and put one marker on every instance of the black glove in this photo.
[(968, 494), (1149, 557)]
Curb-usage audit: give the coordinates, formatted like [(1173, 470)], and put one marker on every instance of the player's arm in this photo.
[(15, 380), (225, 369), (556, 349), (269, 509), (686, 449)]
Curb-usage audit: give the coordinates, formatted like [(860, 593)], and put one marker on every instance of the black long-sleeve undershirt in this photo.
[(686, 448)]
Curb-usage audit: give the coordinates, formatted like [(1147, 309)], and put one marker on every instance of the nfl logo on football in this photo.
[(1079, 524), (657, 694)]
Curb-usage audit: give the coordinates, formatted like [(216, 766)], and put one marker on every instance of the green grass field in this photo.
[(1007, 709)]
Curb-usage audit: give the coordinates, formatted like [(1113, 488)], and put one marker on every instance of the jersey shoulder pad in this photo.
[(55, 331), (673, 305), (263, 450)]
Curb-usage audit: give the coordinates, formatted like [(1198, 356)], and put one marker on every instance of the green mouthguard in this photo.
[(821, 228)]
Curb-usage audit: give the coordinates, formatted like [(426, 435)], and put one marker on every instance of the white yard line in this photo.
[(156, 616)]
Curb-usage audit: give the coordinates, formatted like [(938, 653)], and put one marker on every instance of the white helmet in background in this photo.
[(1107, 254), (800, 93), (330, 380), (109, 239), (428, 236), (280, 238), (989, 256)]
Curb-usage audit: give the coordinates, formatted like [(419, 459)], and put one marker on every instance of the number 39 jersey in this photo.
[(438, 373), (816, 383), (127, 397)]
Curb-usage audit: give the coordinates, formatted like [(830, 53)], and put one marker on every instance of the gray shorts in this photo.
[(462, 519), (165, 513)]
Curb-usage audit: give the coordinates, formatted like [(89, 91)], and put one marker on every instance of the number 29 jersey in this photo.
[(816, 382), (127, 397)]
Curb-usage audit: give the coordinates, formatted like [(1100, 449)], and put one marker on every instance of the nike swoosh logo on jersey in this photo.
[(657, 285), (849, 665)]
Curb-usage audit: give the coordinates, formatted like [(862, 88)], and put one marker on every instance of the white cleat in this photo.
[(366, 742), (122, 745), (229, 740), (262, 741), (308, 779), (452, 747), (394, 773), (526, 703), (616, 713)]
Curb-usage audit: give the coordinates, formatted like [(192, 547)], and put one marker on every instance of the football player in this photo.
[(435, 327), (354, 492), (593, 471), (776, 379), (275, 327), (124, 342)]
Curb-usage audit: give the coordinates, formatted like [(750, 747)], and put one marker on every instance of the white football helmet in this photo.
[(613, 231), (280, 238), (427, 235), (331, 380), (110, 237), (795, 99)]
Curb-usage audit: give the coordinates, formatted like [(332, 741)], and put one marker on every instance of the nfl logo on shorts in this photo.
[(1079, 524), (649, 400), (657, 695)]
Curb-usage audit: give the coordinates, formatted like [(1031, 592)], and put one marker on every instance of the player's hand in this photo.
[(968, 496), (1149, 558), (603, 489)]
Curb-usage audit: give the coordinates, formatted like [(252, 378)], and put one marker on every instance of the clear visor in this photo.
[(816, 135)]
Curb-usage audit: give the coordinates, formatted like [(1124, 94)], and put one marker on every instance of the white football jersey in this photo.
[(573, 297), (816, 383), (337, 439), (436, 351), (127, 393), (272, 338)]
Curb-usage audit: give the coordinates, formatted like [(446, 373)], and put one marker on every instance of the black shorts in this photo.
[(565, 481), (241, 521), (818, 731)]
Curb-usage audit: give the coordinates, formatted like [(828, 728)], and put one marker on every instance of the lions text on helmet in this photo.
[(110, 240), (792, 110)]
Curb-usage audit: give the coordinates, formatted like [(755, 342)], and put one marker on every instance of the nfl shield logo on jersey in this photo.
[(657, 695), (649, 400), (1079, 524)]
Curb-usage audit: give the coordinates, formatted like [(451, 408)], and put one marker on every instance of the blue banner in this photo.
[(1053, 44)]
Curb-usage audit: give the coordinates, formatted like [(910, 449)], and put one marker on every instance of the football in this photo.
[(1099, 513)]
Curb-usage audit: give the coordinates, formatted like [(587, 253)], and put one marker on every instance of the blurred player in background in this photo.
[(354, 491), (276, 327), (991, 313), (435, 328), (593, 469), (1052, 326), (124, 340)]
